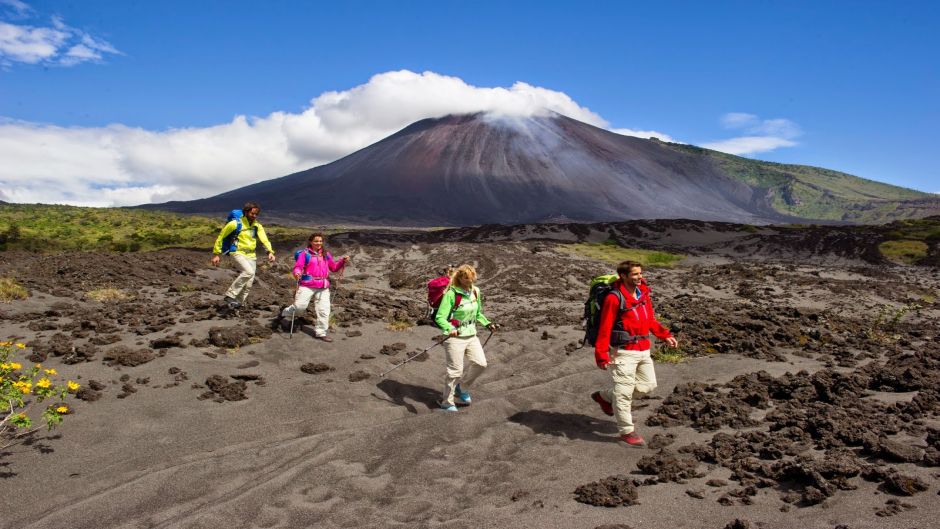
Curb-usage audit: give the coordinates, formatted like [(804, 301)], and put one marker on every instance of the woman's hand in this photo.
[(453, 332)]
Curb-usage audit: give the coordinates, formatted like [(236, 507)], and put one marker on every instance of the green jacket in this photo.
[(246, 238), (467, 314)]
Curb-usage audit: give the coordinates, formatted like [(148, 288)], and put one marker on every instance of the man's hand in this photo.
[(215, 260), (270, 257), (672, 342), (602, 365)]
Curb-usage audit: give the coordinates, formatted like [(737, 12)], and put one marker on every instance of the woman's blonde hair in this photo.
[(463, 272)]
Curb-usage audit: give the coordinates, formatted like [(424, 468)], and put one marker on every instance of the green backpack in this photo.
[(601, 287)]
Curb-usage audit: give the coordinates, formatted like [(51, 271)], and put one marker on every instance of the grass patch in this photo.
[(669, 355), (400, 325), (11, 291), (48, 228), (610, 252), (907, 252), (104, 295)]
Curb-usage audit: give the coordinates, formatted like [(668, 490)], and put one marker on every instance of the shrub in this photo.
[(10, 290), (107, 294)]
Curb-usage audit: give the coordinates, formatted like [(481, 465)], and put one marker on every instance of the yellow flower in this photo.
[(73, 385), (51, 372), (43, 383), (21, 345), (15, 365), (6, 344), (24, 387), (62, 409), (5, 365)]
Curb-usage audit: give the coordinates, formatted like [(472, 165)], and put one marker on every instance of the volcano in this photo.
[(472, 169)]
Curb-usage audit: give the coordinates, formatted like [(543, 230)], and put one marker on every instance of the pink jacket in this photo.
[(318, 268)]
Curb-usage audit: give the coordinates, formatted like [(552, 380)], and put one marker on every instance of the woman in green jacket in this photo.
[(460, 310)]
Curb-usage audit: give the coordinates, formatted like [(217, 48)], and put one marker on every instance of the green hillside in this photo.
[(38, 227), (816, 193)]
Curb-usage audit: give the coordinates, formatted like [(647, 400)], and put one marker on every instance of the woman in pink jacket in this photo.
[(312, 270)]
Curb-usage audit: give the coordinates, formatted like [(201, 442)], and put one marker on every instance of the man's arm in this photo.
[(263, 238)]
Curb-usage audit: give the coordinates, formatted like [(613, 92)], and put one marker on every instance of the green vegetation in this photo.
[(909, 241), (816, 193), (610, 252), (107, 294), (45, 228), (399, 325), (668, 355), (10, 290), (906, 252)]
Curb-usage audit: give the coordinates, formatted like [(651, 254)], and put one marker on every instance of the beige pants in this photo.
[(242, 284), (631, 371), (321, 304), (455, 349)]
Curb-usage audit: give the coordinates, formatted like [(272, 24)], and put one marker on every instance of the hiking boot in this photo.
[(231, 302), (277, 322), (605, 406), (448, 407), (633, 439), (461, 395), (325, 338)]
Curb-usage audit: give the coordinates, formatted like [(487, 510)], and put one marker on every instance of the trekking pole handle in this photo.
[(412, 357)]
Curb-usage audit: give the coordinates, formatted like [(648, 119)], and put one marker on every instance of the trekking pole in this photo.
[(294, 312), (416, 355), (488, 338)]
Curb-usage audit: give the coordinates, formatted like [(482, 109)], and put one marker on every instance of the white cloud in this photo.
[(59, 44), (118, 165), (645, 134), (748, 144), (15, 8), (763, 135)]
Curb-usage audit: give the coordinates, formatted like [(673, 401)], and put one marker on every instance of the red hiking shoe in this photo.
[(633, 439), (605, 406)]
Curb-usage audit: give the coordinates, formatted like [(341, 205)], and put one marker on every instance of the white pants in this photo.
[(321, 304), (455, 349), (631, 371), (242, 284)]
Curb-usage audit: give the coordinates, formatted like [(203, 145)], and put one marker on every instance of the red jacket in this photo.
[(639, 320)]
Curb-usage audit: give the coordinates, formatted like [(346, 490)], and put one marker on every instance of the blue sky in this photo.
[(113, 103)]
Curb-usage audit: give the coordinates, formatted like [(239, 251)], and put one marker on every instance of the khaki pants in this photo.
[(631, 371), (455, 349), (242, 284), (321, 304)]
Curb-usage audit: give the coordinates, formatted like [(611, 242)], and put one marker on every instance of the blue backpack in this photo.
[(230, 242), (306, 253)]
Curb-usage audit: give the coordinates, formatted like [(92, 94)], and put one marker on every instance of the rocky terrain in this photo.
[(809, 395)]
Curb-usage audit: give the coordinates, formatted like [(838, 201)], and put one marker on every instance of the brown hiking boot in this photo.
[(605, 406), (633, 439), (325, 338)]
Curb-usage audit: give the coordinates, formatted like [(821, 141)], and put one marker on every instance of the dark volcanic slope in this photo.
[(473, 169)]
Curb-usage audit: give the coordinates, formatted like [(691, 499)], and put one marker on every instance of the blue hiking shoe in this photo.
[(448, 407), (461, 395)]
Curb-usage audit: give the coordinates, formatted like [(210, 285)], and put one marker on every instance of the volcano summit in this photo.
[(480, 168)]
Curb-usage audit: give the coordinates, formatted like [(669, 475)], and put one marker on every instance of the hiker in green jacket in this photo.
[(244, 254), (460, 310)]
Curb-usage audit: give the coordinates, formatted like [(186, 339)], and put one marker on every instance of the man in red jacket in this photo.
[(627, 320)]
